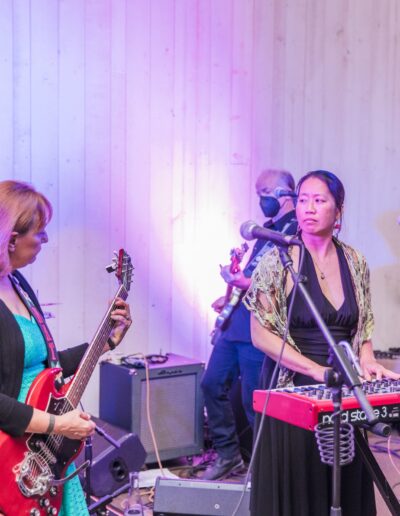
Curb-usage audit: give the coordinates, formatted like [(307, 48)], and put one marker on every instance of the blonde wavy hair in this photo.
[(22, 208)]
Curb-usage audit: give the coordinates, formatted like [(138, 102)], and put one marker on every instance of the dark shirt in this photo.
[(341, 322), (15, 416), (238, 326)]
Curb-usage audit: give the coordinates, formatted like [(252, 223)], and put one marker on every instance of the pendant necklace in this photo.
[(321, 273)]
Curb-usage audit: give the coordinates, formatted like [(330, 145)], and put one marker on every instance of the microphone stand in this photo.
[(89, 458), (342, 373)]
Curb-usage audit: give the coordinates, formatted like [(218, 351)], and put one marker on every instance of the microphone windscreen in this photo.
[(246, 230)]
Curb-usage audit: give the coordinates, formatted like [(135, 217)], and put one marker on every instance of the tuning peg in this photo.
[(114, 264)]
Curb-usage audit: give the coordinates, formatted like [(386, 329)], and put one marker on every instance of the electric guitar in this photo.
[(33, 466), (232, 294)]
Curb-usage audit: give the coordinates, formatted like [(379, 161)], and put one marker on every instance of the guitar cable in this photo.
[(136, 360), (141, 361)]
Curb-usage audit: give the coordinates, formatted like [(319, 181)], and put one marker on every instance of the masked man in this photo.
[(233, 355)]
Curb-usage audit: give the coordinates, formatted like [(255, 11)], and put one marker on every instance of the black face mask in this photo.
[(269, 205)]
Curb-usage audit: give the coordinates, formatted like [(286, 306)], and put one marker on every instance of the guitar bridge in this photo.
[(33, 475)]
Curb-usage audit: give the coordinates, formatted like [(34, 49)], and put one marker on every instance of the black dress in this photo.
[(288, 477)]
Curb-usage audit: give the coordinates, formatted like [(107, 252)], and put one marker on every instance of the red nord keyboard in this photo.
[(309, 405)]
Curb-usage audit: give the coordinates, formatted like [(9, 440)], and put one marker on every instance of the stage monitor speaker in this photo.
[(111, 465), (186, 497), (176, 404)]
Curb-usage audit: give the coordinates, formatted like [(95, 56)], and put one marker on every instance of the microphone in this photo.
[(281, 192), (250, 230)]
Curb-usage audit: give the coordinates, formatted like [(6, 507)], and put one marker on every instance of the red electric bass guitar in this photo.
[(232, 294), (33, 466)]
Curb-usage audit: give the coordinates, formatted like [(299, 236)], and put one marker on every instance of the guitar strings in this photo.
[(53, 442), (99, 343)]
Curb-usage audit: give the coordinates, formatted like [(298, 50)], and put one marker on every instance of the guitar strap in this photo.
[(32, 309), (248, 270)]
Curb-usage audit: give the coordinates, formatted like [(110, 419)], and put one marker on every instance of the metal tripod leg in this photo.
[(376, 473)]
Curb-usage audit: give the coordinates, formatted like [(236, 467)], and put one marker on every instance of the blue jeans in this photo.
[(229, 360)]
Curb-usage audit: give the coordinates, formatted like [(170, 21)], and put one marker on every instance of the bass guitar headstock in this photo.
[(122, 265)]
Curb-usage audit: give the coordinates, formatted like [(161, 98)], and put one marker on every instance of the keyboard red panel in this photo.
[(309, 405)]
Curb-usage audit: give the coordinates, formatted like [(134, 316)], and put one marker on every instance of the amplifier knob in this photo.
[(44, 502), (52, 510), (34, 512)]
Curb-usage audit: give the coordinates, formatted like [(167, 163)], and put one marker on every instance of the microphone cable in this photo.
[(273, 379)]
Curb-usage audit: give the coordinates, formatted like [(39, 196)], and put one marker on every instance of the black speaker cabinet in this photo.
[(176, 404), (185, 497), (110, 464)]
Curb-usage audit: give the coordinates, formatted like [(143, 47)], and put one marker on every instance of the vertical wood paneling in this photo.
[(313, 121), (71, 175), (44, 118), (184, 205), (221, 207), (278, 80), (21, 58), (6, 89), (97, 177), (241, 84), (117, 176), (241, 104), (262, 91), (161, 153), (294, 64), (203, 184), (138, 167), (146, 124)]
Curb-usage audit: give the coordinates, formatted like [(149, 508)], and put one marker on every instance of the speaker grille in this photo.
[(186, 497), (172, 411)]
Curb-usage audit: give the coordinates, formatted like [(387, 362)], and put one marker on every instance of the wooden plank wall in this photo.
[(146, 123)]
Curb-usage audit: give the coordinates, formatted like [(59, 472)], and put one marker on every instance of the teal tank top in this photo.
[(74, 503)]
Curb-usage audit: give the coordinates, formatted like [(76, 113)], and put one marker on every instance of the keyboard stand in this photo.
[(376, 473)]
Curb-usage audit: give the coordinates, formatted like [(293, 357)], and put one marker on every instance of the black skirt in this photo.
[(292, 481)]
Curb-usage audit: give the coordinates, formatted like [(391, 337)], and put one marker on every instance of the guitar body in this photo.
[(232, 295), (224, 316), (30, 462), (226, 312)]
